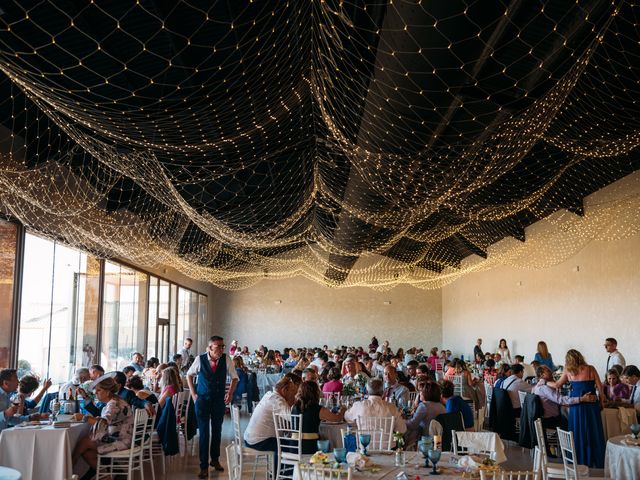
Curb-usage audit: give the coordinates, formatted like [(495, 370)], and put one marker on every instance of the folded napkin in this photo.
[(478, 442), (358, 460), (467, 462)]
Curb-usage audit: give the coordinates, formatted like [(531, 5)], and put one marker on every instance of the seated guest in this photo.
[(362, 368), (308, 405), (170, 385), (27, 385), (178, 360), (150, 370), (115, 423), (81, 377), (428, 409), (504, 371), (260, 433), (350, 365), (543, 356), (529, 371), (137, 362), (490, 373), (614, 389), (630, 376), (394, 390), (128, 395), (454, 403), (129, 371), (498, 359), (8, 410), (333, 384), (412, 371), (243, 379), (552, 400), (135, 384), (514, 384), (375, 406), (95, 372), (310, 374)]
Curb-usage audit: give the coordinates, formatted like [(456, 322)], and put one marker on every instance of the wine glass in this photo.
[(323, 446), (365, 440), (424, 448), (434, 456), (635, 429), (340, 454)]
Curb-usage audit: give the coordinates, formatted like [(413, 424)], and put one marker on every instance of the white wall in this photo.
[(565, 308), (313, 315)]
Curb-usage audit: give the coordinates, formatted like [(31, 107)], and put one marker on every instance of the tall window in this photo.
[(124, 308), (187, 315), (58, 309), (8, 240)]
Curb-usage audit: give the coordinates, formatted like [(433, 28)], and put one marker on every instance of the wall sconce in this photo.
[(277, 302), (387, 302)]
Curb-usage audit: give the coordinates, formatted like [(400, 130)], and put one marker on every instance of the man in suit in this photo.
[(630, 376), (211, 369)]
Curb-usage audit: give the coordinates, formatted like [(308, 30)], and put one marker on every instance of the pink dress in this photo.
[(332, 386)]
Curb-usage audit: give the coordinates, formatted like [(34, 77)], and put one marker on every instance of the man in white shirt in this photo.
[(615, 357), (375, 406), (81, 376), (392, 389), (383, 348), (529, 370), (515, 384), (260, 434), (320, 361), (630, 376)]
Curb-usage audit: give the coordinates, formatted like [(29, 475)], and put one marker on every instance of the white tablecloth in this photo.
[(333, 433), (621, 461), (483, 441), (414, 466), (616, 421), (42, 453)]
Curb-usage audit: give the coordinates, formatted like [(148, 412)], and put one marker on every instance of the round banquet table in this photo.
[(9, 474), (621, 460), (616, 421), (414, 466)]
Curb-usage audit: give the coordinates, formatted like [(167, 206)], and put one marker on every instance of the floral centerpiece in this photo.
[(399, 439), (348, 389)]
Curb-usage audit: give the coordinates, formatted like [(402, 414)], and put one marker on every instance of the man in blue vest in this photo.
[(211, 369)]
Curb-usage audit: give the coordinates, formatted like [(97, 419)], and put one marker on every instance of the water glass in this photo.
[(323, 446), (340, 454)]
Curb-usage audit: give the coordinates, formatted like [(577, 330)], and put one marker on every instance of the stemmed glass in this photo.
[(323, 446), (635, 429), (434, 456), (340, 455), (365, 440), (424, 448)]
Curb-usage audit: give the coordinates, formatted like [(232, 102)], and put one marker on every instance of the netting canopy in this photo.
[(351, 142)]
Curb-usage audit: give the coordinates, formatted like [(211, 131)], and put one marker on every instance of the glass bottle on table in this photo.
[(349, 440)]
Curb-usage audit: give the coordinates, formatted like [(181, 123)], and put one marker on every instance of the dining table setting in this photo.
[(41, 450)]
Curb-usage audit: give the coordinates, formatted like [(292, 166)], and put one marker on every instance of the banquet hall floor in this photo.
[(182, 468)]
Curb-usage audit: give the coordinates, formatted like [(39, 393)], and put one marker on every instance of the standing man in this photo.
[(185, 352), (615, 357), (209, 397)]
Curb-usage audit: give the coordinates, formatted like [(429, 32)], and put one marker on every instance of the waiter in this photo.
[(209, 397)]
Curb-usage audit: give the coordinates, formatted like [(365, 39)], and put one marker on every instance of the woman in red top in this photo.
[(334, 385)]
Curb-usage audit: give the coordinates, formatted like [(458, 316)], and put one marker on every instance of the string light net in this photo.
[(353, 143)]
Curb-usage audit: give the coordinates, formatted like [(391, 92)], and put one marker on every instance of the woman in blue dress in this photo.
[(584, 418)]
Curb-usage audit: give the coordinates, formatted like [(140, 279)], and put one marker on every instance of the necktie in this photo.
[(608, 360), (633, 392), (387, 393)]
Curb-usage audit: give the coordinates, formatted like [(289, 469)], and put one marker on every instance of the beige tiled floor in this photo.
[(182, 468)]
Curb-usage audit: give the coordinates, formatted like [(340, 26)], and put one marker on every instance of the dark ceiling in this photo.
[(422, 132)]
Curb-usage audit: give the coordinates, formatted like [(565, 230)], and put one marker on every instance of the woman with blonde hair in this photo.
[(112, 429), (170, 384), (543, 356), (584, 418)]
